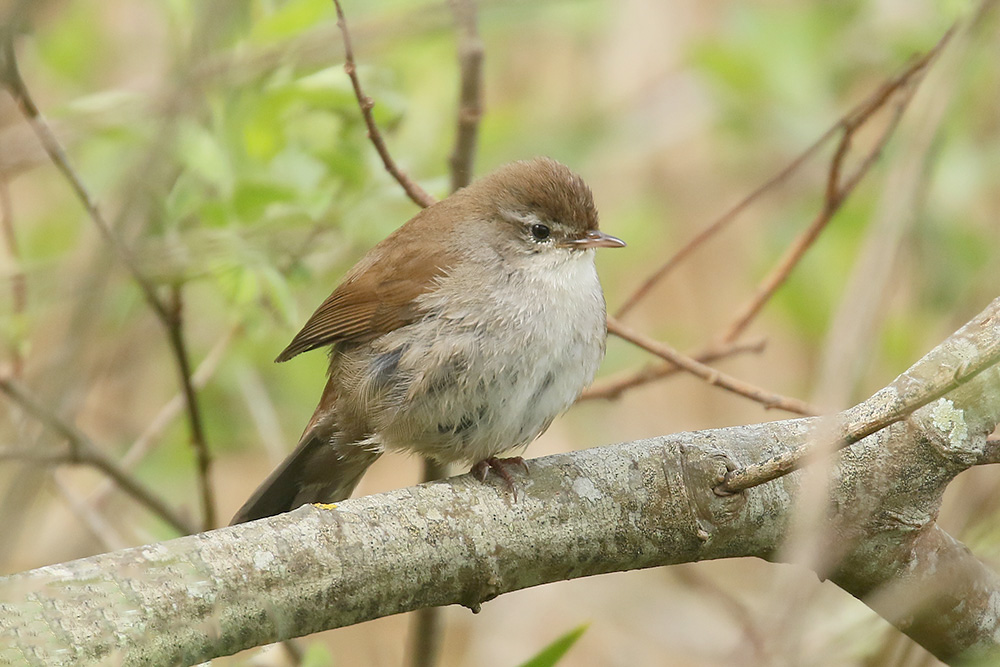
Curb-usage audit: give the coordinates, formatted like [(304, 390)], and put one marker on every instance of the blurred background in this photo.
[(223, 143)]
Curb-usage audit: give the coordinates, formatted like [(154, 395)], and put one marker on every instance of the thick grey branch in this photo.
[(622, 507)]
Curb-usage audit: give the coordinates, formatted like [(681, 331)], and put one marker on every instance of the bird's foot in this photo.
[(502, 468)]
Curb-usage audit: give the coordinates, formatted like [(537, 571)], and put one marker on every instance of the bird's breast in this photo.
[(490, 365)]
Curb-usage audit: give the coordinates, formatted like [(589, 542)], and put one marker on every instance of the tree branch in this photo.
[(613, 387), (82, 450), (838, 189), (168, 315), (971, 350), (18, 281)]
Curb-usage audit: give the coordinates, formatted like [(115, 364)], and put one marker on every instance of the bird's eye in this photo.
[(540, 232)]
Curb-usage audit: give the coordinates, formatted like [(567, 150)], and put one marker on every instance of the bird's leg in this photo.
[(501, 468)]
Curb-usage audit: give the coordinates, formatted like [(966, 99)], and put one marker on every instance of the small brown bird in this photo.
[(460, 336)]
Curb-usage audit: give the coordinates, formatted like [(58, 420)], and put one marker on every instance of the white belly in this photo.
[(499, 370)]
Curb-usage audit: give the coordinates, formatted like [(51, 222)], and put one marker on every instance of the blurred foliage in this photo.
[(224, 142), (553, 653)]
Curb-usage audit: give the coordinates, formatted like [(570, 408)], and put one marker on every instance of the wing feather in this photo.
[(379, 294)]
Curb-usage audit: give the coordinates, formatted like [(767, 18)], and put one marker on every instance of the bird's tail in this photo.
[(322, 469)]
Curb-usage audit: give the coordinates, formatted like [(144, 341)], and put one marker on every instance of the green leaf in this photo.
[(554, 652), (199, 150), (317, 655)]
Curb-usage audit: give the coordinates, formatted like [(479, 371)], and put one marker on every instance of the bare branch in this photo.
[(839, 189), (18, 282), (710, 375), (82, 450), (612, 388), (413, 190), (470, 107), (847, 126), (175, 333), (10, 78), (271, 579), (721, 223), (169, 316)]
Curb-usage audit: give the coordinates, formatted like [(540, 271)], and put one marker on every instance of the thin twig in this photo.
[(82, 450), (10, 78), (413, 190), (837, 188), (878, 412), (18, 282), (170, 410), (712, 376), (613, 387), (175, 333), (856, 116), (470, 106), (721, 223), (102, 529), (705, 587)]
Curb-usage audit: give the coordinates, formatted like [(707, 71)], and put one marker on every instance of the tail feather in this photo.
[(318, 471)]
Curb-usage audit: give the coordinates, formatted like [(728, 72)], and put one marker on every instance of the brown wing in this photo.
[(379, 294)]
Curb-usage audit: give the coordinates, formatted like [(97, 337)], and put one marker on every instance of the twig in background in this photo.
[(705, 587), (470, 106), (102, 530), (613, 387), (857, 116), (82, 450), (169, 317), (18, 282), (413, 190), (837, 188), (175, 332), (721, 223), (710, 375), (170, 410)]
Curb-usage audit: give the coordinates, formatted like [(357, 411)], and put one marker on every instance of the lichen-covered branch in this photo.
[(622, 507)]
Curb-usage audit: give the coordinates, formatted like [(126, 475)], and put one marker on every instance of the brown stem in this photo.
[(721, 223), (612, 388), (856, 117), (419, 196), (18, 282), (837, 188), (82, 450), (175, 334), (470, 107), (714, 377), (10, 78)]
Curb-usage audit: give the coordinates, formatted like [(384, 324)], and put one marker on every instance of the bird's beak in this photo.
[(596, 239)]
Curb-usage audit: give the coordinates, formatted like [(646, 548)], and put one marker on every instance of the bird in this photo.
[(459, 337)]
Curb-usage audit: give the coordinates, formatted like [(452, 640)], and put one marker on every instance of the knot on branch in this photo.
[(704, 470), (943, 425)]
